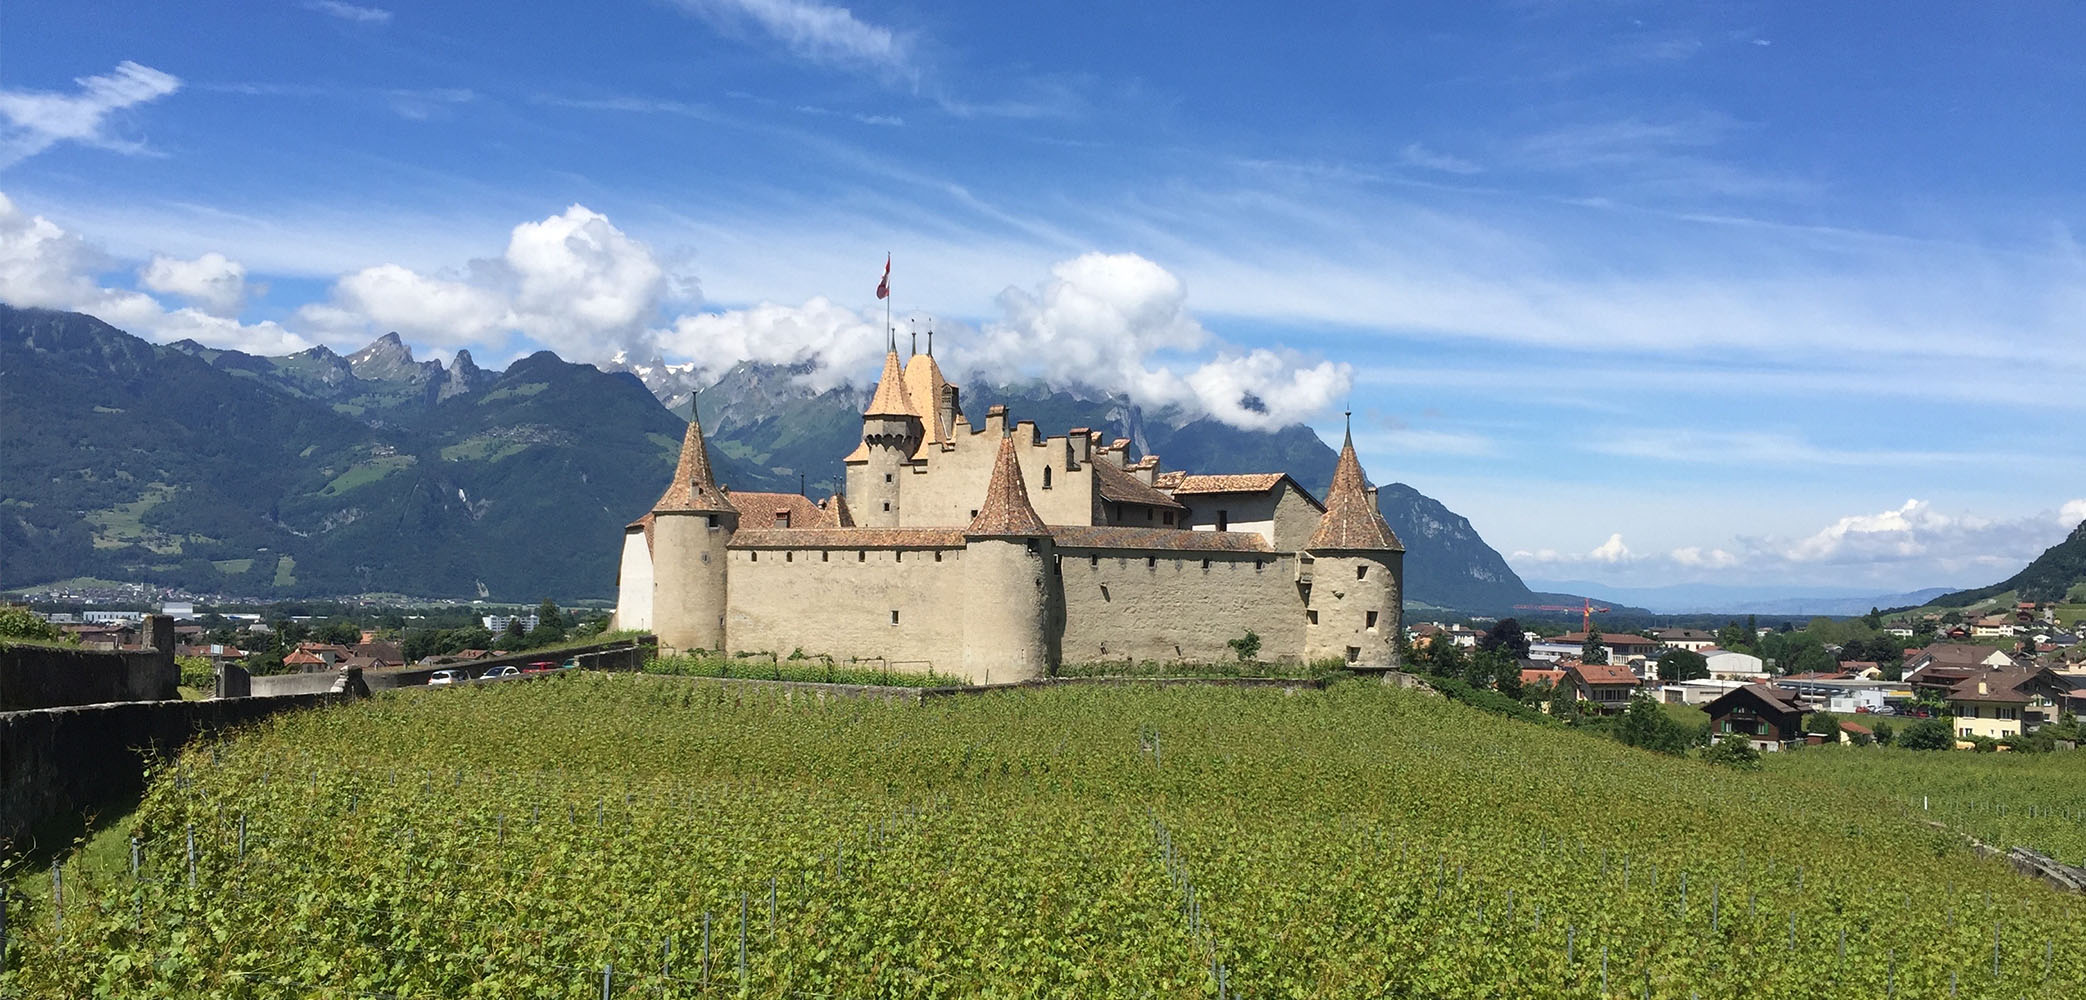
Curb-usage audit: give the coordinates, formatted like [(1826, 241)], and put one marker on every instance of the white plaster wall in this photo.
[(634, 583)]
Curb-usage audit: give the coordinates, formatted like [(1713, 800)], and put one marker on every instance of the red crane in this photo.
[(1586, 612)]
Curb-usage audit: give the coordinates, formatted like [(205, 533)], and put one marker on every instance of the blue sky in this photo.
[(1780, 294)]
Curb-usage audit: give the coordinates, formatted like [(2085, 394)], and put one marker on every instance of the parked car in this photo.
[(540, 667), (499, 673), (442, 677)]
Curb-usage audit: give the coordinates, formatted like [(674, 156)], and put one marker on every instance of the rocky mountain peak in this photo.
[(464, 377), (389, 359)]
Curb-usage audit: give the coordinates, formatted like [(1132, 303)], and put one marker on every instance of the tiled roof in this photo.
[(1079, 536), (1605, 673), (1249, 482), (1608, 639), (1958, 654), (923, 388), (1856, 727), (837, 513), (1170, 480), (1775, 699), (891, 399), (693, 488), (1351, 522), (645, 524), (1006, 511), (1121, 487), (758, 510), (2001, 684), (848, 538)]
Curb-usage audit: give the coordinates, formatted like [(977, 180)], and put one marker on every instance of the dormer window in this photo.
[(782, 519)]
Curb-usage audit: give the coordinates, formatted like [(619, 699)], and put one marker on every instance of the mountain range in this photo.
[(1717, 599), (2059, 574), (317, 474)]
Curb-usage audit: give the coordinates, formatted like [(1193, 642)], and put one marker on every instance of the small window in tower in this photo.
[(1256, 566), (782, 519), (887, 477), (825, 557), (974, 515), (1310, 617), (1147, 513), (898, 556), (1223, 520), (894, 616), (1205, 565), (1361, 572), (887, 506), (1032, 546), (1370, 624), (1168, 518), (1151, 562), (1093, 562), (861, 555), (755, 556), (710, 521), (1354, 653), (789, 557), (1046, 477), (937, 555)]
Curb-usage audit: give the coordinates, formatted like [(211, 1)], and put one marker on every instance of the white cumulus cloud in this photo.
[(816, 32), (37, 120), (837, 343), (43, 266), (350, 12), (215, 283), (571, 282)]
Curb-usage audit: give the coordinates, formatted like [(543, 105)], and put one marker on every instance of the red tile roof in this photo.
[(1245, 482), (1007, 511), (1605, 673), (1164, 539), (693, 488), (1121, 487), (758, 510), (891, 399), (1351, 522)]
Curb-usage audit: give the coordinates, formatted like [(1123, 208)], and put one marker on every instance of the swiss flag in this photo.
[(883, 288)]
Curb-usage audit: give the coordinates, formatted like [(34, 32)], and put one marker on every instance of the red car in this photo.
[(540, 667)]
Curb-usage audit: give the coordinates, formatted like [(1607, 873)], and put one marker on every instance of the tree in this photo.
[(1591, 651), (340, 632), (1822, 722), (22, 623), (1923, 632), (514, 634), (1928, 734), (1677, 665), (1734, 751), (1564, 701), (1444, 657), (1506, 636), (1647, 726), (1246, 647), (1874, 619), (1884, 731), (1506, 673), (1734, 637), (550, 625)]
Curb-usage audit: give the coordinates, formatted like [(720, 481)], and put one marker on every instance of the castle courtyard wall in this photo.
[(1157, 604), (838, 602), (944, 486)]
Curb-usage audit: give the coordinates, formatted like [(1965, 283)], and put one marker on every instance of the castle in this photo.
[(995, 554)]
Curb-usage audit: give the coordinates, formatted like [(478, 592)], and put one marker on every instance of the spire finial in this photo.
[(930, 341)]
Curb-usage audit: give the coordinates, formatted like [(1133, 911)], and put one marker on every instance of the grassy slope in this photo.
[(2028, 800), (1356, 841)]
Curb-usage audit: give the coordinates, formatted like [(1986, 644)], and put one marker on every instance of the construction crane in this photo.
[(1586, 612)]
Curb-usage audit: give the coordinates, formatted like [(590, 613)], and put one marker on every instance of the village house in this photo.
[(1767, 718), (1730, 664), (1609, 685), (1693, 640), (1998, 702)]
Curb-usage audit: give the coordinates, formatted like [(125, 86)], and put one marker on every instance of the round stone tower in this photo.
[(1357, 594), (1007, 558), (691, 525), (891, 433)]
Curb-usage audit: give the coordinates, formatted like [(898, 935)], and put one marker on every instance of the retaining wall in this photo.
[(57, 765), (50, 676)]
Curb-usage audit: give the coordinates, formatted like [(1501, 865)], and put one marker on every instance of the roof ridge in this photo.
[(891, 399)]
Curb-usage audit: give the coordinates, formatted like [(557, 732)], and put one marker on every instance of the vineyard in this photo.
[(627, 836), (2033, 800)]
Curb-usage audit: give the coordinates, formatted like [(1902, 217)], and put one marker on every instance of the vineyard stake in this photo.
[(742, 942), (136, 857), (242, 837), (608, 979), (3, 928), (1890, 980), (706, 949), (1604, 970), (57, 897), (771, 907), (1995, 950), (666, 957), (1840, 955), (1571, 933)]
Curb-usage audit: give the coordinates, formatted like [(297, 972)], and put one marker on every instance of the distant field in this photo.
[(532, 840), (2004, 799)]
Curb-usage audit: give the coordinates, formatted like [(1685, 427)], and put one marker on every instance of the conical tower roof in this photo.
[(1351, 521), (694, 489), (1007, 511), (923, 388), (891, 399)]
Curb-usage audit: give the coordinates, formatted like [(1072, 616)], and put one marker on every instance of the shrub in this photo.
[(1246, 646), (1928, 734), (22, 623), (1733, 751), (196, 672)]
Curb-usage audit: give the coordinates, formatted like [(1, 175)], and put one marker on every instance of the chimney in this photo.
[(996, 421), (1082, 442), (1373, 505)]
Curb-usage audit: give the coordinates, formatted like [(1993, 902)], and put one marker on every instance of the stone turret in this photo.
[(691, 525), (1355, 588), (891, 433), (1007, 581)]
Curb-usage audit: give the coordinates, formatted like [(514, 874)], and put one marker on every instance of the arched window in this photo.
[(1046, 477)]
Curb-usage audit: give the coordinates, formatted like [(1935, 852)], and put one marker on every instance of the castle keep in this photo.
[(995, 554)]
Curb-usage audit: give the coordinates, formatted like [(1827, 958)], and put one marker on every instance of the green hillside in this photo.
[(540, 839), (2055, 575)]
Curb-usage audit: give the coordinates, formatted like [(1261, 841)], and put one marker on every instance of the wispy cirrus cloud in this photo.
[(820, 33), (349, 12), (37, 120)]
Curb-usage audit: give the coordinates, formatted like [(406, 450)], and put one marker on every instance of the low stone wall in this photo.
[(919, 695), (623, 654), (279, 685), (48, 676), (59, 765)]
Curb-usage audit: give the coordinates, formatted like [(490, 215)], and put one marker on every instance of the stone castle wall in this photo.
[(1165, 605), (839, 601)]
